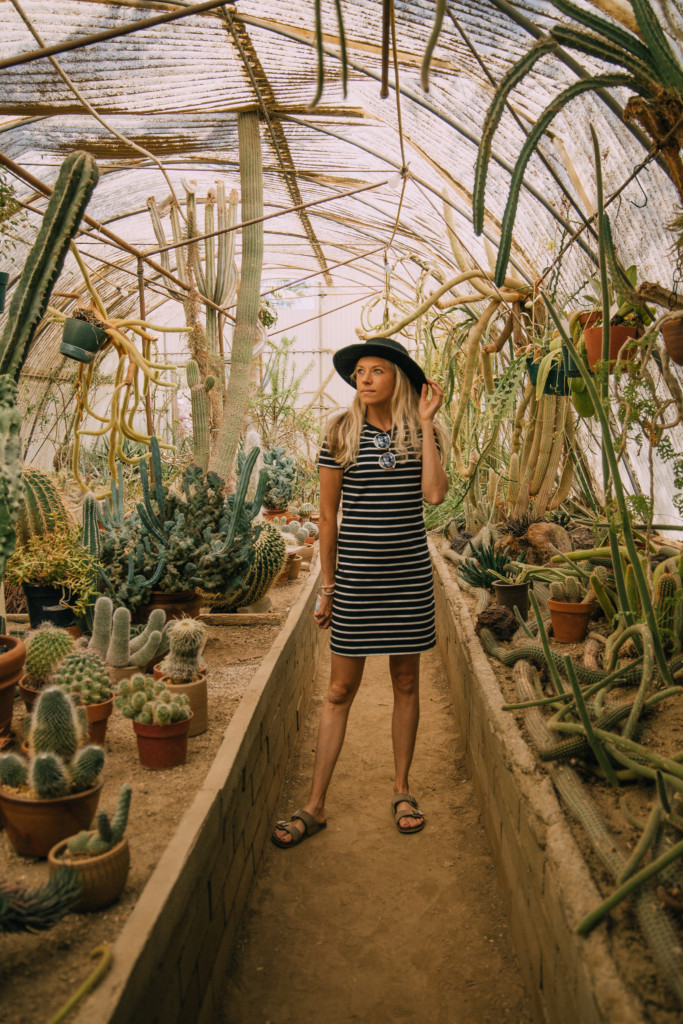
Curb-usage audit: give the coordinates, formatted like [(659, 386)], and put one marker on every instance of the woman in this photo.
[(383, 457)]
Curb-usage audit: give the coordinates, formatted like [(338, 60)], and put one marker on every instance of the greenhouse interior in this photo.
[(331, 331)]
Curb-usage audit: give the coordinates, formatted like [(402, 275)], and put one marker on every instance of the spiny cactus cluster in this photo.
[(111, 635), (58, 762), (11, 487), (568, 590), (108, 833), (42, 509), (185, 637), (85, 677), (179, 541), (44, 651), (148, 702), (280, 478), (300, 531), (267, 561)]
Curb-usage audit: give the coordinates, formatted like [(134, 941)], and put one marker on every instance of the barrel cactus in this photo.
[(85, 677), (44, 651), (109, 832), (267, 561)]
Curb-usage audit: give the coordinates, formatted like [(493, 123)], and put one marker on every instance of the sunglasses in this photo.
[(387, 459)]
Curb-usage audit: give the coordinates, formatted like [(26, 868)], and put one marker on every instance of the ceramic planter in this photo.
[(176, 604), (80, 340), (4, 280), (43, 606), (162, 746), (12, 655), (555, 382), (570, 620), (197, 693), (98, 717), (34, 826), (672, 333), (510, 594), (618, 336), (103, 876)]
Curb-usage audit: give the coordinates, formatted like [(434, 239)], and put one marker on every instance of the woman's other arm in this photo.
[(434, 476), (330, 496)]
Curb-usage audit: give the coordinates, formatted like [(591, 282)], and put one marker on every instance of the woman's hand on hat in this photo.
[(429, 406)]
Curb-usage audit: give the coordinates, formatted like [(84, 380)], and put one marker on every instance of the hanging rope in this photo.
[(404, 169)]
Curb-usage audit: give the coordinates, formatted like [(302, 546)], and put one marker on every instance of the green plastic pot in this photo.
[(81, 341), (555, 382)]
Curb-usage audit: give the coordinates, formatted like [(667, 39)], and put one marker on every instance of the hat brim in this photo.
[(346, 360)]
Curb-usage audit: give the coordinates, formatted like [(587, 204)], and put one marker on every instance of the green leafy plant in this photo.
[(56, 559), (485, 568)]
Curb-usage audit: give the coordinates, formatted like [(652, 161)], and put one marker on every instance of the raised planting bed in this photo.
[(195, 832), (539, 853)]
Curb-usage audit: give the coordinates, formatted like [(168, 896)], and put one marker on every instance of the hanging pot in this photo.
[(34, 826), (43, 606), (571, 368), (570, 620), (197, 693), (81, 341), (555, 382), (510, 594), (672, 333), (618, 336), (162, 746), (103, 876), (177, 604), (12, 655), (4, 280)]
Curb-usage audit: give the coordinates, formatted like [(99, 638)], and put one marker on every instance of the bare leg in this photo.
[(345, 677), (405, 678)]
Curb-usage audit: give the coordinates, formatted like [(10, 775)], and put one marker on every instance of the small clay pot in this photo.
[(176, 604), (162, 746), (98, 717), (103, 876), (570, 620), (34, 826), (197, 693), (672, 333), (618, 337), (28, 694)]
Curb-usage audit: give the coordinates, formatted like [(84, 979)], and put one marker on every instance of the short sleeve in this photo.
[(326, 460)]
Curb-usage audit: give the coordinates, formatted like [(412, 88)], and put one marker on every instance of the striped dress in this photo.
[(383, 598)]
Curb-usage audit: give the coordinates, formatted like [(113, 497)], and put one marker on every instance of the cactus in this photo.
[(13, 771), (109, 833), (42, 510), (185, 638), (568, 590), (86, 767), (147, 701), (11, 486), (111, 635), (199, 394), (55, 725), (280, 478), (44, 651), (578, 746), (91, 532), (35, 910), (48, 776), (85, 677), (267, 561)]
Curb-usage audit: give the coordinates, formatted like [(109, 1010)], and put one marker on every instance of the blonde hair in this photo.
[(342, 434)]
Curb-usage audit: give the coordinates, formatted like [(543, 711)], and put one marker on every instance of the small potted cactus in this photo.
[(42, 799), (112, 641), (85, 677), (280, 483), (570, 610), (182, 670), (44, 651), (161, 720), (100, 858), (311, 531)]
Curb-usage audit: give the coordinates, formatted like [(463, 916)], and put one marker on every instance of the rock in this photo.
[(582, 538), (541, 540), (499, 620)]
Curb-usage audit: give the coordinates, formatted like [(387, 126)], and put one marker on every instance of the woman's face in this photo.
[(375, 379)]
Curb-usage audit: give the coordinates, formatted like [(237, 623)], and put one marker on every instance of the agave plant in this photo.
[(487, 566), (649, 68)]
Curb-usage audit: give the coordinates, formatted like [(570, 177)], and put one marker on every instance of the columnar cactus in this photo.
[(91, 532), (35, 910), (199, 393), (85, 677), (44, 651), (185, 638), (108, 833), (280, 485), (111, 635), (568, 590), (42, 509), (11, 487), (56, 727), (148, 702)]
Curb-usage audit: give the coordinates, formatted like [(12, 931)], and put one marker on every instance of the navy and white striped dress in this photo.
[(383, 598)]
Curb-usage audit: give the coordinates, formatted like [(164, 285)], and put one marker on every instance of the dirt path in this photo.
[(361, 923)]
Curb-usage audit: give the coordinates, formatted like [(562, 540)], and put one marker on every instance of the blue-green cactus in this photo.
[(280, 478)]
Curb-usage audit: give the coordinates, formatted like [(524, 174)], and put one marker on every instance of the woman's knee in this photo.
[(341, 691), (405, 681)]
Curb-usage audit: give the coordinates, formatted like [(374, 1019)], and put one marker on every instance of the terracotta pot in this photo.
[(618, 336), (162, 746), (159, 672), (310, 540), (28, 694), (197, 693), (274, 513), (293, 567), (34, 826), (98, 716), (306, 552), (590, 319), (672, 332), (103, 876), (570, 620), (315, 517), (176, 604), (12, 655), (510, 594), (124, 672)]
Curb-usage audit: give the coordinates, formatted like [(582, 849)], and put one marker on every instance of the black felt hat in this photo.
[(346, 359)]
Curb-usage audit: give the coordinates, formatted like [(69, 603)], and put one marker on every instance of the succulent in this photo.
[(476, 570), (44, 651), (569, 590), (42, 509), (108, 833), (267, 562), (280, 478), (13, 771), (306, 509), (300, 535), (85, 677), (185, 637), (147, 701), (310, 529), (111, 635), (36, 910)]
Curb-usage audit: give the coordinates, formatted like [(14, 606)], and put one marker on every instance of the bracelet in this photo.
[(327, 591)]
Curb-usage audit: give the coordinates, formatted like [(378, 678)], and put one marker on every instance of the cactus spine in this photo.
[(44, 651), (42, 510), (199, 394), (73, 188)]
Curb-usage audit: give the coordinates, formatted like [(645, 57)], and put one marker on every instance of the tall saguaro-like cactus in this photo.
[(246, 316), (199, 394)]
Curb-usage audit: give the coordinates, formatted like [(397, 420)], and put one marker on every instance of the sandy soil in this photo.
[(663, 731), (38, 973), (360, 923)]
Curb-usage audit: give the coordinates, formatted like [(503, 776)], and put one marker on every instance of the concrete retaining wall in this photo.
[(170, 959), (544, 879)]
